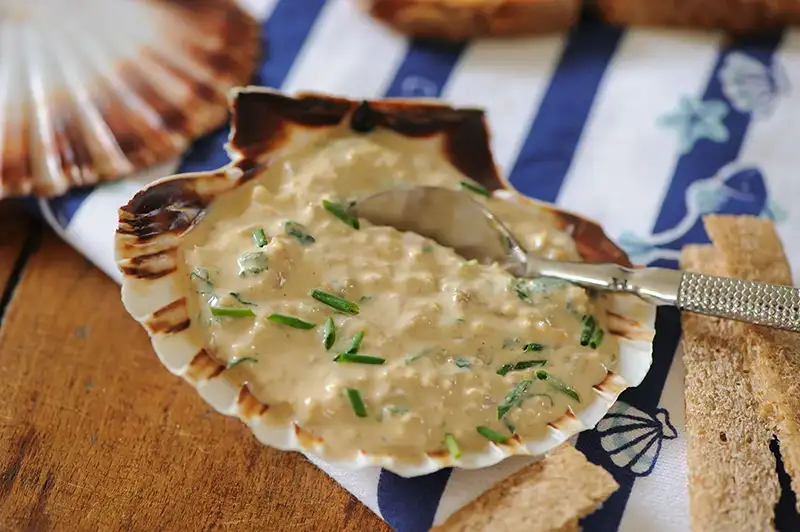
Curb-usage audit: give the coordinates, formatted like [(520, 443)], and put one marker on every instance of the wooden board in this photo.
[(97, 435)]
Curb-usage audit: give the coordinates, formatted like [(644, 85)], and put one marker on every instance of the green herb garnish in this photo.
[(492, 435), (597, 338), (533, 346), (356, 402), (520, 366), (359, 359), (463, 363), (552, 403), (396, 410), (241, 360), (203, 276), (329, 333), (335, 302), (232, 312), (476, 188), (260, 238), (356, 343), (557, 384), (427, 248), (452, 445), (589, 325), (291, 321), (340, 212), (252, 263), (513, 399), (237, 297), (509, 425), (298, 232)]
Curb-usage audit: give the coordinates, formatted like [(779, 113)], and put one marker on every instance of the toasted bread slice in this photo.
[(752, 250), (732, 15), (458, 20), (549, 495), (732, 480)]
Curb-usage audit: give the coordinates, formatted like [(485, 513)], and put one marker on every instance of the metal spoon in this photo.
[(454, 219)]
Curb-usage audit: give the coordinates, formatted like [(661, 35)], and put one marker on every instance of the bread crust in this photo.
[(732, 15), (549, 495), (458, 20), (731, 470)]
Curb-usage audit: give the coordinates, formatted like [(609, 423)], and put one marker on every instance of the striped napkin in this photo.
[(642, 130)]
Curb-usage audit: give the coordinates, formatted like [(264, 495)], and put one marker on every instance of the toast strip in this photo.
[(731, 15), (458, 20), (752, 250), (548, 495), (732, 479)]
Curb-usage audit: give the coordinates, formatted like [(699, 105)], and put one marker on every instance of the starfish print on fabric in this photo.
[(698, 119)]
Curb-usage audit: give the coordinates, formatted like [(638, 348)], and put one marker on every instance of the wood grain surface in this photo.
[(96, 435)]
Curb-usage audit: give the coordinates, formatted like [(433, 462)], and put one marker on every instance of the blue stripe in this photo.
[(705, 159), (283, 36), (425, 69), (546, 155), (410, 504)]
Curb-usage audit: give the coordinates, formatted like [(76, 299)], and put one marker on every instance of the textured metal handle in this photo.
[(759, 303)]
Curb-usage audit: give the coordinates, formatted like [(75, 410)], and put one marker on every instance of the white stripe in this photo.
[(771, 145), (660, 501), (508, 79), (362, 483), (346, 53), (624, 162), (260, 9)]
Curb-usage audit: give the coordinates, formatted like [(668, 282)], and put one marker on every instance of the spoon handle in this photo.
[(748, 301), (759, 303)]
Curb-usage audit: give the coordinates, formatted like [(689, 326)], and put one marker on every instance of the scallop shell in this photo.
[(94, 91), (267, 125)]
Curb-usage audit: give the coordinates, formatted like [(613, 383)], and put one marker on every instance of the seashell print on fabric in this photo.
[(633, 438), (93, 91), (752, 86)]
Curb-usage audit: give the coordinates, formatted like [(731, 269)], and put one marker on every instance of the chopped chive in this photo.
[(514, 398), (356, 343), (364, 299), (260, 238), (237, 297), (335, 302), (520, 366), (201, 275), (359, 359), (476, 188), (340, 212), (552, 403), (427, 248), (329, 333), (411, 358), (492, 435), (509, 425), (597, 338), (241, 360), (252, 263), (557, 384), (463, 363), (232, 312), (298, 232), (356, 402), (452, 445), (291, 321), (589, 325), (396, 410), (533, 346)]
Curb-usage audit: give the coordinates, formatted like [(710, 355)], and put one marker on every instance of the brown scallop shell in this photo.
[(113, 86), (266, 126)]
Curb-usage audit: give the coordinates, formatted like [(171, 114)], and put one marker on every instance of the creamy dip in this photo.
[(443, 354)]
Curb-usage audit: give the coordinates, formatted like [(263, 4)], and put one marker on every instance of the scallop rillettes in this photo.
[(380, 340)]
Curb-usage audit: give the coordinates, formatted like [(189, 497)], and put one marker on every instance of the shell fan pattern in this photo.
[(152, 76)]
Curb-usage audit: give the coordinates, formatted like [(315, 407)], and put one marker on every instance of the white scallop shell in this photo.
[(266, 126), (93, 90)]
